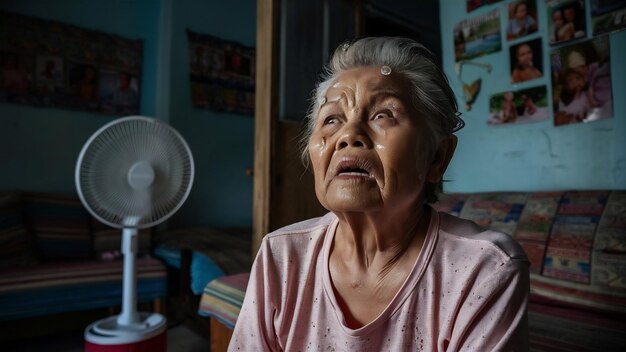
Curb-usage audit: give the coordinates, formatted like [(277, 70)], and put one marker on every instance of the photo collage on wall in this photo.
[(50, 64), (221, 74), (577, 49)]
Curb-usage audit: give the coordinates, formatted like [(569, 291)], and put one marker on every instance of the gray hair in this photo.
[(432, 95)]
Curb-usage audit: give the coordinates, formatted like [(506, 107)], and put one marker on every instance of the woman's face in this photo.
[(524, 55), (370, 148)]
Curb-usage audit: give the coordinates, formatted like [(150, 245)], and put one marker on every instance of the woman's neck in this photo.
[(376, 240)]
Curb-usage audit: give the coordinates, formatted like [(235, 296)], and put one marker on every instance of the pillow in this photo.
[(203, 270), (495, 211), (575, 241), (59, 224), (16, 245), (585, 260), (534, 225), (451, 203)]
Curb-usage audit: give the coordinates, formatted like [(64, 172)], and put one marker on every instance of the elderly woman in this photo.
[(383, 271)]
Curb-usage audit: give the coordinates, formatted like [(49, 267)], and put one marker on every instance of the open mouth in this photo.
[(353, 172), (354, 167)]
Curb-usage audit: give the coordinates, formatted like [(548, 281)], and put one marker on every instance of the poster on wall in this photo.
[(477, 36), (516, 107), (608, 16), (566, 21), (581, 82), (51, 64), (526, 60), (522, 19), (221, 74), (474, 4)]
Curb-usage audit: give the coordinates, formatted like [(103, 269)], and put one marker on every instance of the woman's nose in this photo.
[(355, 136)]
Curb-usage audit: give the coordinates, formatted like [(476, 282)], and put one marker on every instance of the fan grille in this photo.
[(104, 163)]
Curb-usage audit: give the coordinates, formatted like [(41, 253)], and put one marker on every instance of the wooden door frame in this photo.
[(264, 116)]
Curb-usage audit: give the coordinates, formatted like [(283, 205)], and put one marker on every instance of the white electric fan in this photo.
[(133, 173)]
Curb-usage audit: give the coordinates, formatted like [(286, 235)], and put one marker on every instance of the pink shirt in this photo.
[(466, 292)]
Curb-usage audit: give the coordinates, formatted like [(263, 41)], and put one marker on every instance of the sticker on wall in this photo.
[(474, 4), (608, 16), (566, 20), (522, 19), (526, 61), (477, 36), (581, 82), (471, 89), (516, 107)]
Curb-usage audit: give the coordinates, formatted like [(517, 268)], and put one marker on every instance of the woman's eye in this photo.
[(380, 115), (330, 120)]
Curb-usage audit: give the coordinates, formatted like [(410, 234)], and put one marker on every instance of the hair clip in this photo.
[(385, 70), (345, 46)]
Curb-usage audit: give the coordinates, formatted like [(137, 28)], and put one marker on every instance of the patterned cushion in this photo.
[(535, 223), (496, 211), (16, 245), (223, 297), (575, 241), (60, 225)]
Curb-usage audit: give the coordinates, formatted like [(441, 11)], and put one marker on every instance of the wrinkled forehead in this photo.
[(366, 82)]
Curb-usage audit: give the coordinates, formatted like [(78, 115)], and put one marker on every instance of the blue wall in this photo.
[(223, 144), (39, 146), (535, 156)]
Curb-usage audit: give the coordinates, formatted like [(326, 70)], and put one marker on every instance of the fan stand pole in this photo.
[(129, 315)]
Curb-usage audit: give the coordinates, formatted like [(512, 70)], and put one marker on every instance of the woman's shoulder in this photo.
[(455, 229)]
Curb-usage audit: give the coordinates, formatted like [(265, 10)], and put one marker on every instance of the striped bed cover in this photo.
[(76, 285), (222, 298)]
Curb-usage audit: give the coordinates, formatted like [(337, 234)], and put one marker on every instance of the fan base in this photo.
[(149, 334)]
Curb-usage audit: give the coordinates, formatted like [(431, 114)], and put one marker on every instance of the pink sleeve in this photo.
[(254, 330), (493, 316)]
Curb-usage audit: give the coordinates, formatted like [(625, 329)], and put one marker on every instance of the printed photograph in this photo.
[(83, 86), (15, 76), (477, 36), (119, 92), (516, 107), (608, 16), (581, 82), (474, 4), (566, 20), (522, 19), (49, 77), (526, 61)]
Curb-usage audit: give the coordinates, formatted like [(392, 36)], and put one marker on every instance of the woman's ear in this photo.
[(441, 159)]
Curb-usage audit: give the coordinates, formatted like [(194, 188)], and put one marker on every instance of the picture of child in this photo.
[(581, 82), (566, 20), (522, 20), (517, 107), (573, 100), (526, 61)]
